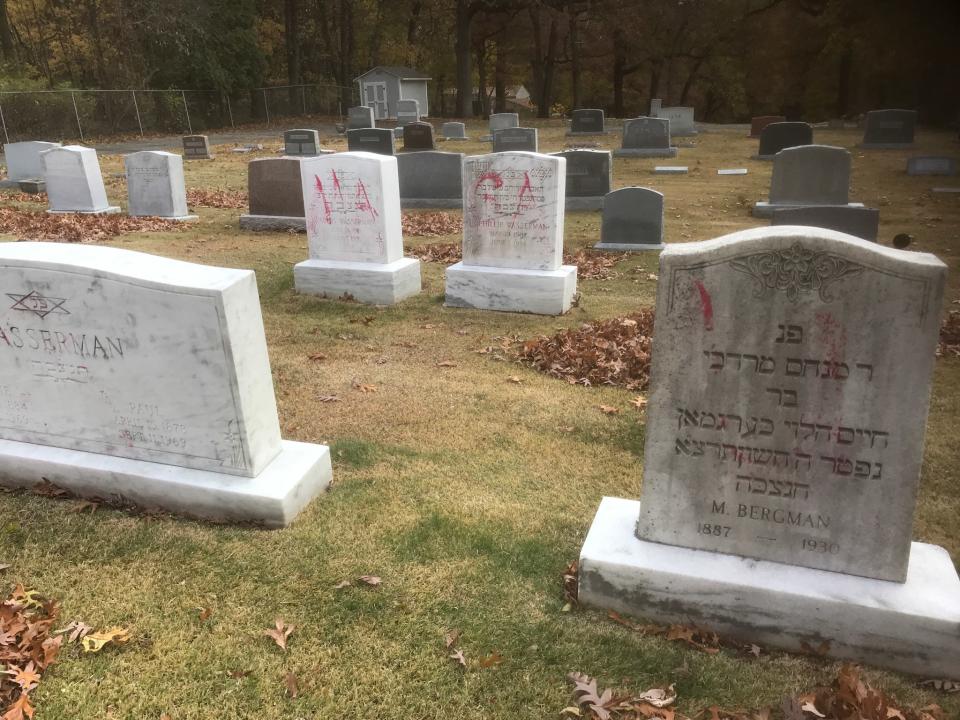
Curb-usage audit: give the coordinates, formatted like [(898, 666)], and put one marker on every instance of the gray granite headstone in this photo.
[(360, 117), (501, 121), (681, 120), (646, 137), (430, 179), (632, 220), (889, 129), (587, 122), (155, 185), (274, 187), (589, 178), (408, 111), (301, 143), (196, 147), (860, 222), (23, 159), (454, 131), (418, 136), (777, 136), (515, 139), (808, 175), (789, 395), (375, 140), (74, 181), (931, 165), (655, 105), (758, 123)]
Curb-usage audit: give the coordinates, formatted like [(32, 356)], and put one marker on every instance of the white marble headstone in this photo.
[(23, 159), (352, 207), (155, 184), (74, 182), (513, 210)]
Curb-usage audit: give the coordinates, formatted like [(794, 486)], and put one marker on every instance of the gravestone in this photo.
[(784, 437), (501, 121), (408, 111), (302, 143), (732, 171), (155, 185), (74, 182), (23, 160), (516, 139), (587, 122), (196, 147), (513, 236), (646, 137), (936, 165), (374, 140), (146, 381), (274, 189), (777, 136), (808, 175), (860, 222), (681, 120), (454, 131), (889, 129), (360, 117), (655, 105), (418, 136), (632, 220), (589, 178), (352, 204), (758, 123), (430, 179), (671, 170)]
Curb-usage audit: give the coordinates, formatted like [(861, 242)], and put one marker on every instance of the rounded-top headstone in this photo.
[(646, 132), (811, 175), (632, 216), (777, 136), (758, 123)]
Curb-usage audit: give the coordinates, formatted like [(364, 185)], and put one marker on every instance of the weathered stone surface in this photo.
[(889, 129), (501, 121), (912, 627), (808, 175), (74, 182), (515, 139), (274, 188), (789, 396), (418, 136), (23, 159), (655, 105), (430, 179), (155, 185), (935, 165), (681, 120), (196, 147), (297, 143), (758, 123), (777, 136), (454, 131), (408, 111), (587, 122), (360, 117), (541, 292), (632, 220), (860, 222), (646, 137), (589, 172), (373, 140)]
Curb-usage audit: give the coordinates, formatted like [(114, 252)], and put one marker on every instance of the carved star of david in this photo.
[(38, 304)]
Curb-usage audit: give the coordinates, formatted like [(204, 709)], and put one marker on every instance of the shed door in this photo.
[(375, 96)]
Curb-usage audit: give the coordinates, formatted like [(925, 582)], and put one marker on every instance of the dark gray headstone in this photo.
[(418, 136), (512, 139), (777, 136), (646, 137), (632, 220), (360, 117), (430, 176), (931, 165), (857, 221), (301, 143), (589, 172), (375, 140), (196, 147), (587, 122), (758, 123), (889, 128), (811, 175), (454, 131), (274, 187)]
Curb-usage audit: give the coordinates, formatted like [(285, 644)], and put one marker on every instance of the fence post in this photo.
[(76, 113), (229, 110), (5, 136), (187, 111), (266, 105), (137, 109)]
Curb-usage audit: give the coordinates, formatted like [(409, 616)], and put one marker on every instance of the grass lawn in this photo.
[(465, 492)]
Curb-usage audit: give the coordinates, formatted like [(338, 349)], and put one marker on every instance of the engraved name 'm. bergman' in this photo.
[(60, 343)]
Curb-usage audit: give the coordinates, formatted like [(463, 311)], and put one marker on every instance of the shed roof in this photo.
[(400, 71)]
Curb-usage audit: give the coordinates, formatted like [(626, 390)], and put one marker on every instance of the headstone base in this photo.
[(273, 498), (431, 202), (9, 184), (454, 139), (109, 210), (172, 218), (541, 292), (584, 203), (684, 133), (646, 152), (765, 209), (885, 146), (912, 627), (485, 138), (628, 247), (272, 222), (570, 133), (374, 283), (32, 187)]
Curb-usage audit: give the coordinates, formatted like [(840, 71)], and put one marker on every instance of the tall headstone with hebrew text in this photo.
[(513, 236), (144, 380), (155, 185), (784, 437), (74, 181), (352, 206)]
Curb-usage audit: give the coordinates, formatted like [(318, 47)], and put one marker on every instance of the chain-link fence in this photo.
[(82, 114)]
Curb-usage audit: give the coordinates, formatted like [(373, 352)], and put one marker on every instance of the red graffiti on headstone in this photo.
[(706, 305), (321, 193), (336, 184), (363, 201), (525, 190), (493, 177)]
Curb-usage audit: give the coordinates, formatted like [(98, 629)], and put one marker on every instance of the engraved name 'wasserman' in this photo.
[(60, 343)]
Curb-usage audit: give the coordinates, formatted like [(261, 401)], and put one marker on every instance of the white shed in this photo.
[(382, 86)]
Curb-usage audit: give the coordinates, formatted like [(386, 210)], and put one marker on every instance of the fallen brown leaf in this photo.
[(446, 364), (280, 632), (609, 410), (371, 580), (342, 584), (458, 657), (290, 680), (238, 674), (490, 660), (205, 614), (451, 637), (317, 356)]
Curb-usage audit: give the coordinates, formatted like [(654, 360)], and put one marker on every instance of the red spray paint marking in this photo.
[(492, 177), (327, 210), (525, 189), (363, 201), (336, 185), (707, 304)]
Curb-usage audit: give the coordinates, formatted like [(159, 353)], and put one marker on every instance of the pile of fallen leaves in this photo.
[(950, 335), (850, 697), (447, 253), (230, 199), (27, 648), (604, 352), (594, 265), (76, 227), (25, 197), (431, 224)]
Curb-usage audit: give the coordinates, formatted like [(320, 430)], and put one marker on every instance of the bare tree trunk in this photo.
[(549, 72), (482, 77), (500, 80), (346, 52), (290, 33), (6, 38), (575, 58), (691, 76), (464, 76), (843, 81)]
